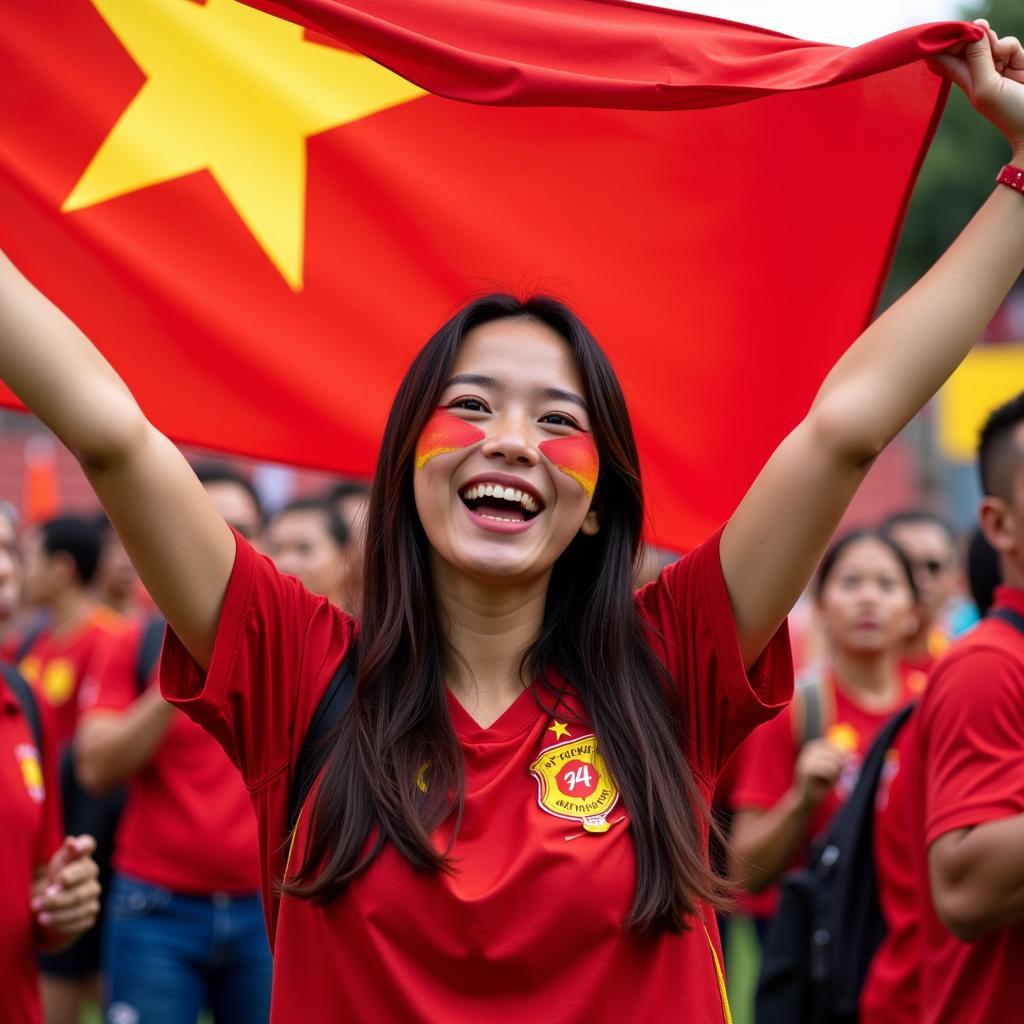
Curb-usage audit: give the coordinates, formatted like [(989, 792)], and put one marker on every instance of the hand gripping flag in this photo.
[(259, 220)]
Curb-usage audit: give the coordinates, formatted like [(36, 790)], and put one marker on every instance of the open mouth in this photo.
[(505, 504)]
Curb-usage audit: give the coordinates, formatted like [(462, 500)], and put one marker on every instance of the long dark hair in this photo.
[(591, 636)]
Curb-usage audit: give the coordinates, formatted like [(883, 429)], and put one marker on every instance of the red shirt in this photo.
[(188, 822), (57, 663), (29, 835), (967, 768), (768, 759), (891, 990), (529, 927)]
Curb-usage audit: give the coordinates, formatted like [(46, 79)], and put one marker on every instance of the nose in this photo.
[(512, 438)]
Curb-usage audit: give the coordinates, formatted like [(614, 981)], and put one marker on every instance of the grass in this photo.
[(742, 962)]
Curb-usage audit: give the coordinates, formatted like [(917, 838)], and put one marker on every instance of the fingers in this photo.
[(981, 63), (74, 920)]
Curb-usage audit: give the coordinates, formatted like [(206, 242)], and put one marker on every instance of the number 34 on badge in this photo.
[(574, 782)]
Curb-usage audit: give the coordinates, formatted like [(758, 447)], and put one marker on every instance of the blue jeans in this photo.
[(167, 955)]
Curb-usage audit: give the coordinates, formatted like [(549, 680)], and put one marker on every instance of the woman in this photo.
[(510, 822), (790, 783)]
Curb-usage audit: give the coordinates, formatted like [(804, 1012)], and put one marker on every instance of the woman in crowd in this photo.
[(511, 822), (797, 770)]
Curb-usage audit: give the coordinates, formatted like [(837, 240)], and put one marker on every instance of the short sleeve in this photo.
[(112, 683), (691, 627), (971, 722), (276, 648), (766, 762)]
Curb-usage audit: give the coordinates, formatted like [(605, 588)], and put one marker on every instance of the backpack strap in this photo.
[(855, 926), (313, 752), (810, 687), (27, 699), (32, 634), (1008, 616), (149, 650)]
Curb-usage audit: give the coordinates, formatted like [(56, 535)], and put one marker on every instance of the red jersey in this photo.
[(528, 927), (188, 822), (967, 768), (891, 989), (768, 759), (56, 664), (31, 833)]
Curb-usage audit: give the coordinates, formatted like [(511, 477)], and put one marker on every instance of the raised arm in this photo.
[(778, 534), (180, 546)]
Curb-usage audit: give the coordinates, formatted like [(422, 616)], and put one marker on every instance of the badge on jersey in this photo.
[(31, 770), (574, 782)]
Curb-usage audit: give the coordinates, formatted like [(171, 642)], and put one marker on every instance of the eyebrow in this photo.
[(480, 380)]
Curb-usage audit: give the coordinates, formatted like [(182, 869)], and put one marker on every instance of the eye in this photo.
[(560, 420), (469, 404)]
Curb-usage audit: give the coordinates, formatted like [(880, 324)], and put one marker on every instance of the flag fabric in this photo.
[(260, 220)]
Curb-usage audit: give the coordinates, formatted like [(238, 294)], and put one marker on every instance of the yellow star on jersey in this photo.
[(559, 729), (235, 92)]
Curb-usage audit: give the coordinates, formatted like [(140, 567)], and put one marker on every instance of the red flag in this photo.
[(260, 227)]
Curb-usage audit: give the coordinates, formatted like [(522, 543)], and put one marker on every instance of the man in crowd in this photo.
[(48, 888), (965, 772), (309, 540), (931, 546), (185, 927), (61, 557)]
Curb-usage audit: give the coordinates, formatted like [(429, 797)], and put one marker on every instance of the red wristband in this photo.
[(1012, 176)]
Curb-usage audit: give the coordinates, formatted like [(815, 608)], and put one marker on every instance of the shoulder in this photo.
[(980, 673)]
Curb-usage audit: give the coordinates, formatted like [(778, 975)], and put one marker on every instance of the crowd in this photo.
[(891, 615), (468, 775), (170, 825)]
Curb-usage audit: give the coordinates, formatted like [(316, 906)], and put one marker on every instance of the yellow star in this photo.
[(236, 92), (559, 729)]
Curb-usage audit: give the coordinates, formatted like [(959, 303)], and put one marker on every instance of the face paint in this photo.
[(445, 433), (575, 456)]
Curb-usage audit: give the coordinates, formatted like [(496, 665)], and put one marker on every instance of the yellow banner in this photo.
[(987, 378)]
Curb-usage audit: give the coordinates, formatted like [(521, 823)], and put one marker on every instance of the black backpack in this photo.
[(829, 923)]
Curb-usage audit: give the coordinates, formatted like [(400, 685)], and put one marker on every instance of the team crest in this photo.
[(31, 770), (574, 782)]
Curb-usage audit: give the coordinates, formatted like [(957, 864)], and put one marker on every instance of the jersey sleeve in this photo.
[(112, 683), (276, 648), (972, 720), (766, 762), (692, 628)]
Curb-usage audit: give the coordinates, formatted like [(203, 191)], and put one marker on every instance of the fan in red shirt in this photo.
[(48, 888), (511, 822), (892, 988), (186, 844), (965, 777), (789, 784), (62, 556)]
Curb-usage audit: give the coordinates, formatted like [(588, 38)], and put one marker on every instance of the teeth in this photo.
[(521, 498)]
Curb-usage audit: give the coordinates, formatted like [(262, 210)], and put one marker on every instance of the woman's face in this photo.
[(867, 606), (506, 467)]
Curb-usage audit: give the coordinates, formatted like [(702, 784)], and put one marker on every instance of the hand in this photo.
[(817, 770), (991, 73), (66, 899)]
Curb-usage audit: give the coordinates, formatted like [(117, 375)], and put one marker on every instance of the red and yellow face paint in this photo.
[(575, 456), (445, 433)]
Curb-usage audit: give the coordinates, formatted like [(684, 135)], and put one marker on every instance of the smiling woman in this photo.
[(511, 823)]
